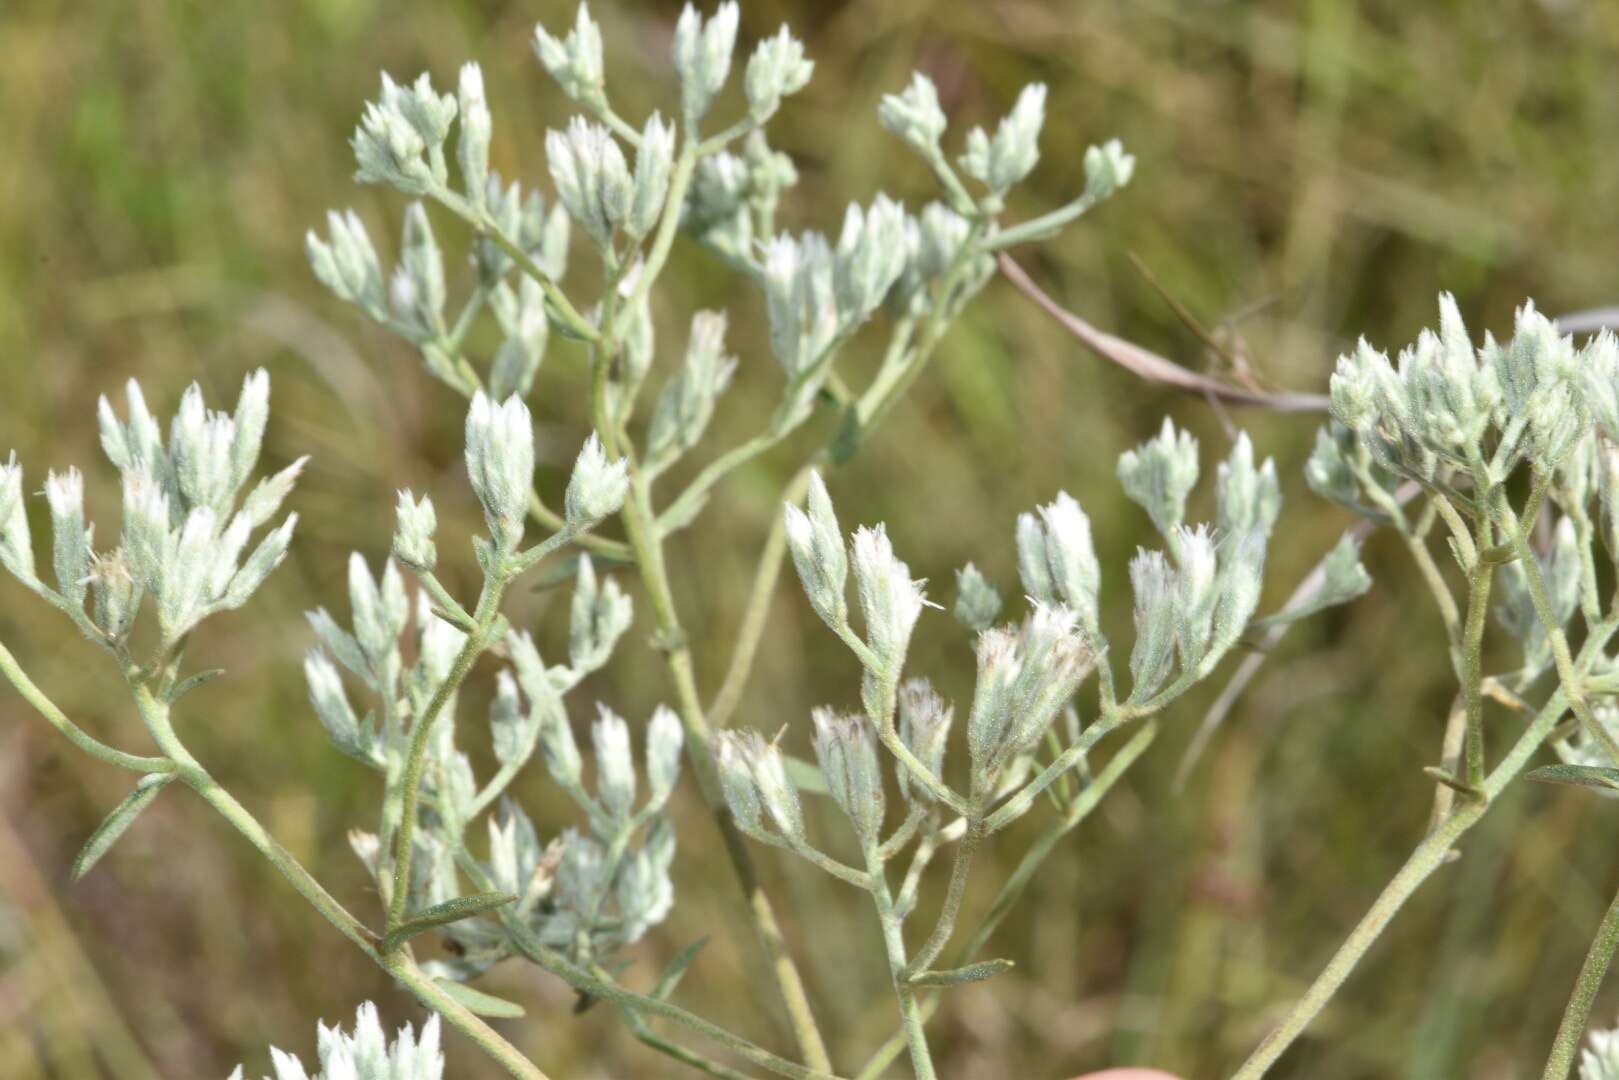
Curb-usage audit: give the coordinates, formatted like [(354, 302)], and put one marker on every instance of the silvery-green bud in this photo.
[(591, 176), (776, 790), (267, 496), (71, 551), (999, 666), (1033, 563), (736, 779), (1242, 569), (576, 61), (500, 463), (924, 727), (200, 451), (380, 610), (615, 767), (347, 264), (472, 149), (978, 603), (367, 1053), (818, 553), (259, 565), (136, 445), (16, 543), (599, 616), (687, 401), (870, 257), (597, 487), (1159, 474), (184, 572), (417, 291), (557, 745), (512, 731), (1000, 162), (1154, 583), (415, 523), (332, 706), (114, 596), (1071, 557), (914, 114), (392, 140), (653, 158), (1345, 577), (146, 527), (1600, 1061), (437, 645), (1024, 679), (428, 111), (943, 231), (716, 208), (521, 314), (800, 300), (776, 70), (1248, 498), (664, 739), (1196, 591), (846, 750), (890, 601), (702, 53), (1327, 471), (1107, 169)]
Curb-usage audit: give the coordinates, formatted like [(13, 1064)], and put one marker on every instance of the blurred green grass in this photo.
[(1320, 169)]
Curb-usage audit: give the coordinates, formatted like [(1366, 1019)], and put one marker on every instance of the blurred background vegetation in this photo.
[(1308, 171)]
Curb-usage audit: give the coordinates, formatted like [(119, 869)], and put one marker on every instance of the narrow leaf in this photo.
[(985, 969), (185, 686), (113, 826), (477, 1001), (462, 907), (677, 968), (1578, 775)]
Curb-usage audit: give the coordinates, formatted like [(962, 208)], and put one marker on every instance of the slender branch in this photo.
[(75, 734), (954, 893), (1567, 1043), (910, 1011)]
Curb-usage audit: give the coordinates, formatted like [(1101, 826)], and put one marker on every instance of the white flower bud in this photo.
[(146, 526), (914, 114), (16, 543), (653, 158), (736, 779), (413, 532), (1003, 161), (200, 452), (1600, 1061), (417, 290), (597, 488), (870, 257), (70, 538), (367, 1053), (185, 571), (591, 176), (889, 599), (472, 149), (347, 264), (1241, 577), (846, 750), (687, 402), (1154, 583), (599, 616), (776, 69), (978, 603), (615, 767), (1071, 557), (800, 300), (818, 553), (332, 706), (1159, 474), (1107, 169), (521, 314), (924, 727), (380, 613), (775, 789), (500, 463), (395, 133), (664, 740), (512, 731), (576, 61), (1248, 498), (702, 54), (1195, 593)]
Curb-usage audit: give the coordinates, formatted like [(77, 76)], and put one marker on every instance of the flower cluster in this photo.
[(366, 1054)]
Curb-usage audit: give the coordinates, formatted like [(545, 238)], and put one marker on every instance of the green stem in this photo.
[(1428, 856), (416, 755), (955, 891), (1567, 1043), (910, 1012), (74, 733), (1478, 610)]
